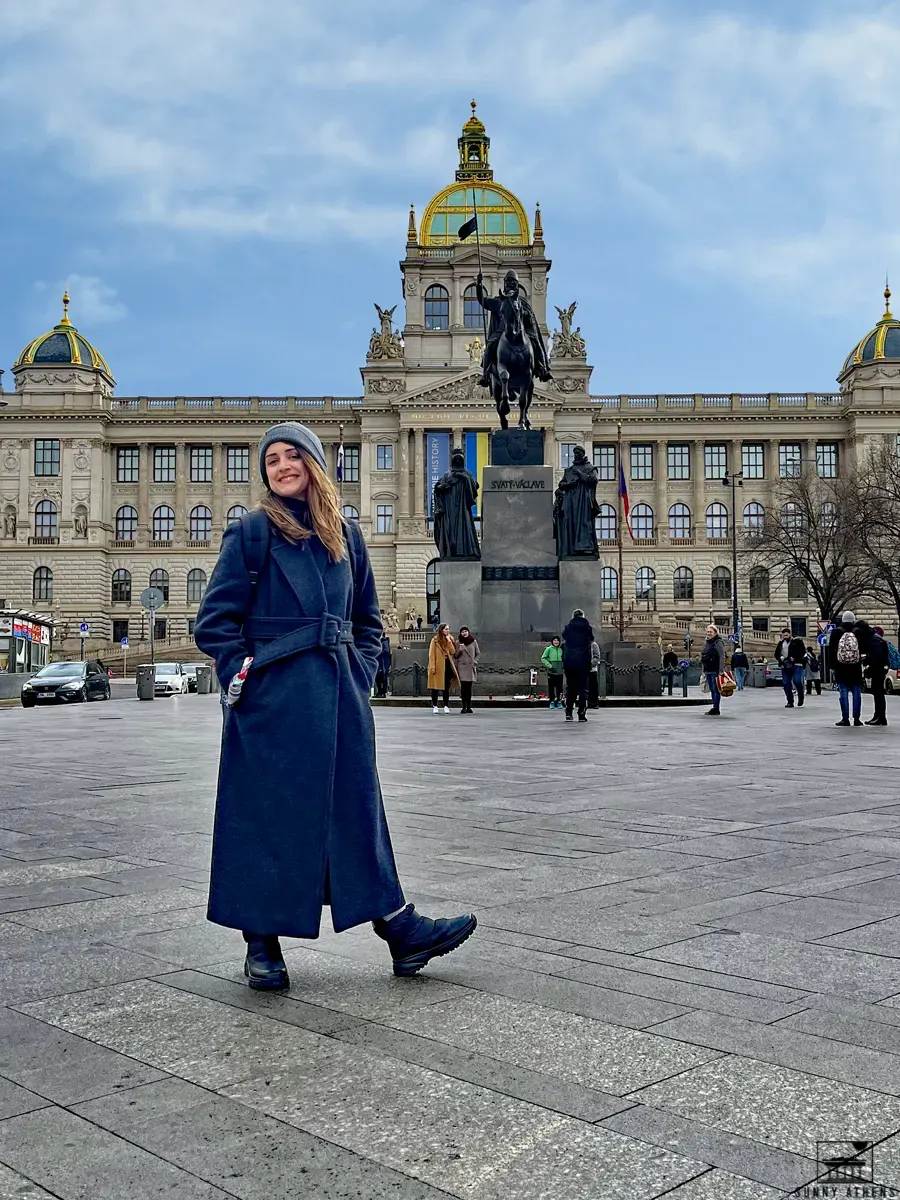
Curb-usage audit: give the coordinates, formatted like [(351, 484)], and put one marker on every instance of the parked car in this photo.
[(66, 683), (773, 674), (170, 680), (190, 669)]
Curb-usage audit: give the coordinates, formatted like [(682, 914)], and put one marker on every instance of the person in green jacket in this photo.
[(552, 661)]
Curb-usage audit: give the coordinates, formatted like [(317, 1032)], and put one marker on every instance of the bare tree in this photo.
[(875, 514), (810, 535)]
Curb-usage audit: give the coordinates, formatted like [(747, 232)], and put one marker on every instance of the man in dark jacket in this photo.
[(878, 664), (577, 638), (846, 662), (791, 656), (383, 674)]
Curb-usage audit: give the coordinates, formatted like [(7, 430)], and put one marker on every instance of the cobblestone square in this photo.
[(686, 972)]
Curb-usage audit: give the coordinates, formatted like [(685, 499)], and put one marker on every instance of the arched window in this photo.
[(605, 523), (160, 579), (121, 586), (126, 523), (609, 584), (792, 517), (472, 318), (759, 584), (163, 524), (235, 513), (200, 524), (437, 307), (350, 512), (828, 517), (45, 525), (645, 584), (717, 521), (196, 585), (42, 584), (642, 521), (796, 588), (683, 583), (754, 516), (721, 583), (680, 522), (433, 588)]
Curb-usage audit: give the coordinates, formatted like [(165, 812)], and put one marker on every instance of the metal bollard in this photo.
[(146, 682), (204, 680)]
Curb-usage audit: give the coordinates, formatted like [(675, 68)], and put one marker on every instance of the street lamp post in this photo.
[(734, 480)]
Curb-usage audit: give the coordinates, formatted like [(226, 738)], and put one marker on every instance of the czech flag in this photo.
[(626, 505)]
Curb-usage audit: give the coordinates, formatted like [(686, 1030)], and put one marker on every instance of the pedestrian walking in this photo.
[(291, 608), (878, 663), (442, 673), (790, 654), (383, 673), (466, 659), (712, 660), (845, 655), (577, 638), (670, 665), (740, 664), (813, 672), (552, 662)]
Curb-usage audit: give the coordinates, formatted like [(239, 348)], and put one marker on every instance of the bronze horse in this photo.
[(512, 374)]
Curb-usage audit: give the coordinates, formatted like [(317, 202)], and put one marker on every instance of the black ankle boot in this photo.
[(414, 940), (264, 965)]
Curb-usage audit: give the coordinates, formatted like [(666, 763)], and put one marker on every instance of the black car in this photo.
[(66, 683)]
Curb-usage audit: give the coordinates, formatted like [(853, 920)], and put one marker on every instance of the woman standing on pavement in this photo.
[(712, 659), (291, 618), (552, 661), (466, 659), (442, 673)]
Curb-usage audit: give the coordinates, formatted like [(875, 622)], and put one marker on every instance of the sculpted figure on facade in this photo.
[(389, 618), (81, 524), (566, 342), (385, 342), (9, 523)]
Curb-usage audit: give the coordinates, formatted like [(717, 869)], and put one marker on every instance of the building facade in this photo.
[(103, 495)]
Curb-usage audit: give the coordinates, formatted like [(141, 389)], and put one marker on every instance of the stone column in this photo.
[(699, 500), (419, 474), (662, 511), (459, 440), (403, 451), (66, 517), (365, 482), (144, 468), (218, 489), (95, 509), (181, 517), (24, 520)]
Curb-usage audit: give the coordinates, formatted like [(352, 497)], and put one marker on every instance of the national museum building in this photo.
[(102, 495)]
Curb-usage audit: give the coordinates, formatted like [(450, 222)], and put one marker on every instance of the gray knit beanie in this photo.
[(294, 434), (848, 618)]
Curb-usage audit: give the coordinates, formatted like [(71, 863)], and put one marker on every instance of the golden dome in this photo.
[(63, 345), (880, 343)]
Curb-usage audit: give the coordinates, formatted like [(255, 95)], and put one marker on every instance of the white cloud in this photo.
[(92, 302), (761, 150)]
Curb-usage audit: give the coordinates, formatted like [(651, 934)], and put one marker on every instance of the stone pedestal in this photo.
[(579, 587), (461, 595), (517, 517)]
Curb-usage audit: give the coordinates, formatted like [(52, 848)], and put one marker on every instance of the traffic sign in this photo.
[(152, 597), (84, 629), (124, 643), (822, 639)]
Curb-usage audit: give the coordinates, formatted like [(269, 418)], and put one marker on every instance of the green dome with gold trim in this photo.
[(879, 344), (63, 345)]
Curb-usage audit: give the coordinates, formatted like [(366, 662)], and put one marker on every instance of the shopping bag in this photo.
[(726, 684)]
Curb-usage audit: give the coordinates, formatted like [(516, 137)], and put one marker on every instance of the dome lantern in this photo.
[(474, 145), (63, 346)]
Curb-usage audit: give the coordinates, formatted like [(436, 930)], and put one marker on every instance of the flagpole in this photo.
[(478, 245), (621, 532), (341, 464)]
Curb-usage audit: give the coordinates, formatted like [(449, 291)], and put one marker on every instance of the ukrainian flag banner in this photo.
[(477, 460)]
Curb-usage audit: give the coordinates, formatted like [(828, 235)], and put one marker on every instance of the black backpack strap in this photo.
[(255, 541)]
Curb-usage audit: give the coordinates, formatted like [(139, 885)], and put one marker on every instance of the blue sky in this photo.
[(225, 183)]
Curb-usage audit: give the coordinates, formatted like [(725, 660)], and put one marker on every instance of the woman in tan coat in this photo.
[(442, 673), (466, 658)]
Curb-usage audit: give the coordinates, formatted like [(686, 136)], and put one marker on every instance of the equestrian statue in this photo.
[(515, 350)]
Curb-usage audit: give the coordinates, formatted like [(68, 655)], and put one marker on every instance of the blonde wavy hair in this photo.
[(324, 512)]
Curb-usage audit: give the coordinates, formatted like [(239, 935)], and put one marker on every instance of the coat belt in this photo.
[(285, 637)]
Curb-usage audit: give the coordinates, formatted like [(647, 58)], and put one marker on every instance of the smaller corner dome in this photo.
[(63, 345), (880, 343)]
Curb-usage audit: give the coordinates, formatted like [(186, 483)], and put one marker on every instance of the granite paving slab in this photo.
[(14, 1186), (808, 919)]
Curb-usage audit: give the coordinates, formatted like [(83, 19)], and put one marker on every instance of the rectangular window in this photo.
[(128, 464), (201, 464), (715, 460), (120, 630), (163, 464), (789, 455), (679, 462), (753, 460), (796, 588), (760, 624), (384, 458), (351, 464), (191, 623), (605, 462), (384, 518), (46, 456), (827, 460), (798, 627), (159, 629), (566, 450), (641, 461), (237, 464)]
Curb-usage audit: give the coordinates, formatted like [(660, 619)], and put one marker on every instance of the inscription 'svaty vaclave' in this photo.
[(511, 485)]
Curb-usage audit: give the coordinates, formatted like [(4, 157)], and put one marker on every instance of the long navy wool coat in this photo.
[(299, 815)]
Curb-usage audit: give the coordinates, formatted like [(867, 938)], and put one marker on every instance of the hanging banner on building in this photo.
[(477, 460), (437, 451)]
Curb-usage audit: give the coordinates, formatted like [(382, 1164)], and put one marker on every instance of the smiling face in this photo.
[(711, 631), (286, 471), (464, 632)]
